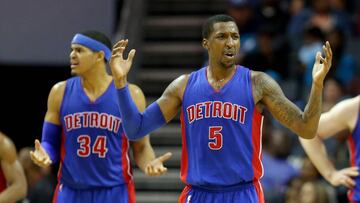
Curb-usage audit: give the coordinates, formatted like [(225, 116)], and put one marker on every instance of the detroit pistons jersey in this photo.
[(354, 148), (94, 148), (221, 131)]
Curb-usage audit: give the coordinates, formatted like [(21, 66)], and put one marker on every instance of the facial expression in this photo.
[(223, 44), (82, 59)]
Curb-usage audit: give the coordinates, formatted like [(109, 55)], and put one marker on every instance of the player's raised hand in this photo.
[(39, 156), (344, 177), (120, 66), (156, 167), (322, 65)]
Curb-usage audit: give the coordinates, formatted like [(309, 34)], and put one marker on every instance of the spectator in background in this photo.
[(12, 177), (292, 192), (267, 57), (308, 171), (273, 13), (321, 15), (344, 65), (313, 192), (296, 6), (312, 43), (275, 154), (41, 183), (308, 187), (333, 93), (354, 85)]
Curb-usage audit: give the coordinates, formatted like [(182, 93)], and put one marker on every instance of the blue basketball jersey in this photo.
[(94, 148), (221, 132), (354, 148)]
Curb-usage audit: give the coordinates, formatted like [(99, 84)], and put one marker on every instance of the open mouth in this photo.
[(229, 55), (73, 65)]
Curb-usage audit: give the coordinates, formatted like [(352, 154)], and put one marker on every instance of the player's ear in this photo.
[(100, 56), (205, 43)]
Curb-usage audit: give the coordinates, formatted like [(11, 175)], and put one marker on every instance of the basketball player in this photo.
[(221, 119), (83, 129), (12, 178), (343, 117)]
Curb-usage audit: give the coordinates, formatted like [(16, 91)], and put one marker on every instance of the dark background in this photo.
[(24, 90)]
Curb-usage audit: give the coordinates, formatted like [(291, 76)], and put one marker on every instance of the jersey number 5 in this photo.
[(99, 146), (215, 138)]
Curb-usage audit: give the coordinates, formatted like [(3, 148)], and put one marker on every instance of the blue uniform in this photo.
[(354, 146), (95, 164), (221, 133)]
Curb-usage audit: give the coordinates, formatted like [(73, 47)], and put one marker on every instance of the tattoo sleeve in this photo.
[(270, 94)]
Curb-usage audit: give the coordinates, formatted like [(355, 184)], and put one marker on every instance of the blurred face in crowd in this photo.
[(242, 14), (321, 6), (313, 192), (308, 170), (332, 91), (223, 44), (307, 193)]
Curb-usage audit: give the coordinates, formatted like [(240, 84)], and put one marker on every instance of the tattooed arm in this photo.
[(268, 93)]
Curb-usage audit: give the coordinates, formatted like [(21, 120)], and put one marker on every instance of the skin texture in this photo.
[(13, 172), (90, 66), (341, 118), (223, 45)]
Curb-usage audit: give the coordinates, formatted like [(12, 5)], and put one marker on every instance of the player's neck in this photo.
[(96, 80), (220, 73), (218, 77)]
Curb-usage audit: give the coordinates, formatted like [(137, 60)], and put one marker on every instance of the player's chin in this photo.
[(228, 64), (74, 72)]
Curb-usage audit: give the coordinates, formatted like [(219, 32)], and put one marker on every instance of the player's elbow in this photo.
[(134, 136), (307, 134)]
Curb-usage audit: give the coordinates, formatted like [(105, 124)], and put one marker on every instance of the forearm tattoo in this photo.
[(268, 92)]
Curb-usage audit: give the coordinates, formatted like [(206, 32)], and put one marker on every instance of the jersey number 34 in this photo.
[(86, 147)]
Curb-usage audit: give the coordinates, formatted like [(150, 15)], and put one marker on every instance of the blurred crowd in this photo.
[(281, 38)]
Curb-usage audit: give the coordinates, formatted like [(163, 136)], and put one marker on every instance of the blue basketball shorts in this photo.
[(244, 193), (122, 194)]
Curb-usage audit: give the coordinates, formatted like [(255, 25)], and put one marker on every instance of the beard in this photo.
[(227, 64)]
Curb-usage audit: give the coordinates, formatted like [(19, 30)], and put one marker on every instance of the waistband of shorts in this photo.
[(92, 187), (220, 188)]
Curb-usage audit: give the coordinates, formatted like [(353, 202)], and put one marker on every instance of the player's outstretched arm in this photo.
[(13, 172), (137, 124), (145, 158), (303, 123), (142, 150), (342, 117), (48, 150)]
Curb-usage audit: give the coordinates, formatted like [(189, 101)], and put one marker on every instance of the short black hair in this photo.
[(98, 36), (208, 26)]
